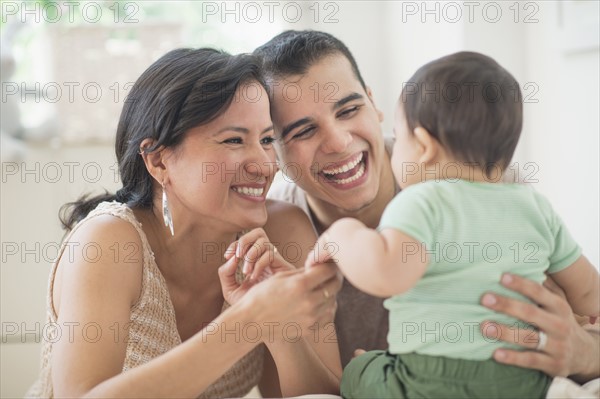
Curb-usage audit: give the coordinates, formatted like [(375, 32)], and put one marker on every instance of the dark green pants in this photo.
[(379, 374)]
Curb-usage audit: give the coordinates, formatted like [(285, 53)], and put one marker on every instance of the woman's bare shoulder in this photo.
[(110, 235), (104, 254)]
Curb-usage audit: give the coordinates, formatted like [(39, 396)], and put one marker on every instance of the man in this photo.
[(332, 147), (337, 165)]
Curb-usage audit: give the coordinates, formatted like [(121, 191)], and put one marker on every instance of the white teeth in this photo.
[(344, 168), (358, 175), (253, 192)]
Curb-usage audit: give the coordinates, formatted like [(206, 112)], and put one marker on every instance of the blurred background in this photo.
[(67, 67)]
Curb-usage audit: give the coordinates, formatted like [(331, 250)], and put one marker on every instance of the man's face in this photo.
[(329, 132), (405, 157)]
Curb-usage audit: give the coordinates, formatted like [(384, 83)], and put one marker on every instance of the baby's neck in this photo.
[(469, 171)]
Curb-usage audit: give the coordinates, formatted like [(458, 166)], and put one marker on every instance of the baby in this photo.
[(449, 236)]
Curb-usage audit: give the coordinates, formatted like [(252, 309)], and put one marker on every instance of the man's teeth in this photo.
[(253, 192), (357, 175), (344, 168)]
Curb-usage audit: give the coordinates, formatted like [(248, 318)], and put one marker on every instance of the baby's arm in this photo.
[(581, 284), (382, 263)]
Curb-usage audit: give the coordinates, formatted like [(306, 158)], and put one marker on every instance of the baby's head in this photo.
[(460, 113)]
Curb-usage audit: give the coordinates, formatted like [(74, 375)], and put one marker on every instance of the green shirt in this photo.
[(473, 233)]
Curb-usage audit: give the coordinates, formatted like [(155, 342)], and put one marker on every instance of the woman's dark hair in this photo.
[(183, 89), (470, 104), (292, 52)]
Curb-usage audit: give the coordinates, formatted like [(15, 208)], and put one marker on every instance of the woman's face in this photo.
[(221, 172)]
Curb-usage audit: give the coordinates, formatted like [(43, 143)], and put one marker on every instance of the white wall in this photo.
[(560, 135), (562, 130)]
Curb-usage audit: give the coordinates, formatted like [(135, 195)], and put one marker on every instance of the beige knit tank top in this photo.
[(153, 329)]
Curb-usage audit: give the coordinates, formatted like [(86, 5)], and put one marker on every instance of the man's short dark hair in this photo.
[(470, 104), (293, 52)]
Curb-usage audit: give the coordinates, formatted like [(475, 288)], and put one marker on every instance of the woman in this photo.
[(141, 291)]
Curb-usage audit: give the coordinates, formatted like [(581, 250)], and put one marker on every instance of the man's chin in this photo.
[(358, 208), (346, 202), (353, 205)]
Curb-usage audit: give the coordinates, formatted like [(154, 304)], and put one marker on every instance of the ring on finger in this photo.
[(542, 341)]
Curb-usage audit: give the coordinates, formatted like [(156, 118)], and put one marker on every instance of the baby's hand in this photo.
[(322, 252), (310, 259)]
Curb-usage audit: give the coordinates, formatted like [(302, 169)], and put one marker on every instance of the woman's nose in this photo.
[(262, 162)]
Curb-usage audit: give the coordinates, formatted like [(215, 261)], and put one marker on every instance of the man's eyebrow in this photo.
[(288, 128), (338, 104), (351, 97), (240, 129)]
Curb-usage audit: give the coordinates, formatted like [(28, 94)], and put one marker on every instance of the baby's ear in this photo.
[(429, 146)]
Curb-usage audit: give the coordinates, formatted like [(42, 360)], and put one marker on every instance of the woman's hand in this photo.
[(260, 258), (569, 350), (258, 253), (296, 302)]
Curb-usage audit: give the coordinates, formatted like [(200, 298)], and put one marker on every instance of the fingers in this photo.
[(227, 278), (359, 352), (324, 298), (526, 337), (262, 263), (553, 316), (331, 287), (527, 312), (246, 241), (549, 317), (251, 247), (537, 293), (231, 249), (555, 289), (310, 262), (228, 268), (304, 298), (272, 260), (253, 253), (323, 250), (326, 303), (315, 276), (551, 360)]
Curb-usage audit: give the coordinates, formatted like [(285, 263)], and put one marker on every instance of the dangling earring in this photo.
[(166, 212)]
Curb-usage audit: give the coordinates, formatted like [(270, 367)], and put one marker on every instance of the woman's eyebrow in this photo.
[(239, 129)]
